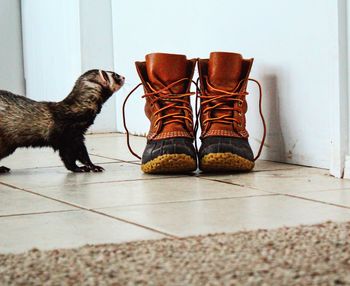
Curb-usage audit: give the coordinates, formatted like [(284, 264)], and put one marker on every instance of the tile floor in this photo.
[(43, 205)]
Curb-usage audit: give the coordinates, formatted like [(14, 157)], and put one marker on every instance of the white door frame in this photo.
[(340, 156)]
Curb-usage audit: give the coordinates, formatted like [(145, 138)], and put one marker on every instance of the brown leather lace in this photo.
[(262, 118), (169, 101), (223, 98), (124, 122)]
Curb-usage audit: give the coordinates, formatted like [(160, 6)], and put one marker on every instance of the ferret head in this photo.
[(96, 86), (108, 80), (93, 88)]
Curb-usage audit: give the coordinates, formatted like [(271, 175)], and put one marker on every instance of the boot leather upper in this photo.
[(157, 72), (228, 72)]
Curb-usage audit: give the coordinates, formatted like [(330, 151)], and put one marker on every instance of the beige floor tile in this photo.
[(146, 192), (114, 146), (65, 230), (338, 197), (263, 165), (179, 205), (14, 202), (230, 215), (286, 181), (57, 176), (38, 158)]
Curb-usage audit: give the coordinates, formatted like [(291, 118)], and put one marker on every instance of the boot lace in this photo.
[(224, 100), (168, 101)]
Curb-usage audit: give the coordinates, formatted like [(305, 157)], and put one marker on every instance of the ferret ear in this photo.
[(104, 78)]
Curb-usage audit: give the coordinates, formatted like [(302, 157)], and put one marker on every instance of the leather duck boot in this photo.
[(166, 79), (223, 83)]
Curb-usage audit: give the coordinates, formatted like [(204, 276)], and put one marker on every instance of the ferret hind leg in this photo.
[(4, 152)]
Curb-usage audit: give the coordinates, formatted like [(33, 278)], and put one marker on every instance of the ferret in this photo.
[(60, 125)]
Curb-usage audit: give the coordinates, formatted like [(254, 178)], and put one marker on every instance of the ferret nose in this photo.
[(120, 76)]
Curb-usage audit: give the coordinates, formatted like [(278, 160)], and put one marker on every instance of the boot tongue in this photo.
[(224, 70), (164, 69)]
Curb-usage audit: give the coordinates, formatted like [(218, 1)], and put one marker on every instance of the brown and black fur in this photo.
[(60, 125)]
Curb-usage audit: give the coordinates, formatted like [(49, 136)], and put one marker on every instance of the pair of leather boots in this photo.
[(221, 89)]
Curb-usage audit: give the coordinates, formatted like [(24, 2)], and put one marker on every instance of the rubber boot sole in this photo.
[(225, 162), (170, 163)]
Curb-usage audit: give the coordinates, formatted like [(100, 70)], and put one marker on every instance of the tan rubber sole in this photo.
[(170, 163), (225, 162)]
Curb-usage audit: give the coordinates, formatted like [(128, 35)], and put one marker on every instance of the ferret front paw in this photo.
[(83, 169), (3, 169), (96, 169)]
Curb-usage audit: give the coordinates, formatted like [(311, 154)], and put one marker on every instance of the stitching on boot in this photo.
[(226, 133), (173, 134)]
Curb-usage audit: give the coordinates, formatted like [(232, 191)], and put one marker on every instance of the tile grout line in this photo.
[(36, 213), (262, 190), (283, 194), (223, 182), (120, 181), (315, 201), (134, 223), (93, 211), (62, 166), (188, 201), (278, 169), (135, 162), (208, 175), (108, 182), (237, 185)]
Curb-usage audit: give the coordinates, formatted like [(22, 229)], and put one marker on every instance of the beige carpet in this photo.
[(306, 255)]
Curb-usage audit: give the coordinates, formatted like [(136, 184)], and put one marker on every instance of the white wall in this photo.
[(295, 46), (62, 39), (97, 52), (51, 46), (11, 60)]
